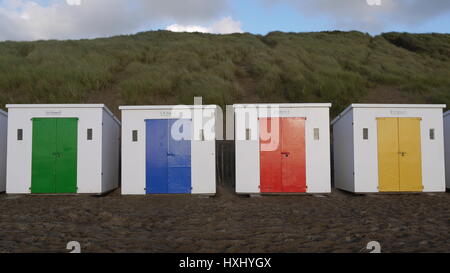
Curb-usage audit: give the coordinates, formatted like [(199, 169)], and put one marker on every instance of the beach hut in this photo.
[(62, 149), (3, 134), (447, 147), (389, 148), (169, 149), (282, 148)]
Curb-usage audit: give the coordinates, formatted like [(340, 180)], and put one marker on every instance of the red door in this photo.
[(270, 160), (283, 167), (293, 154)]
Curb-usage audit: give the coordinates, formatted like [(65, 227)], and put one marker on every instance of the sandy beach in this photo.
[(338, 222)]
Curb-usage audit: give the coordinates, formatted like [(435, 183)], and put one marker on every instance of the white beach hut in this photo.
[(389, 148), (62, 149), (3, 137), (282, 148), (169, 149)]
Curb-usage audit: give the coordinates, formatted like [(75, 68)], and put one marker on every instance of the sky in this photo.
[(76, 19)]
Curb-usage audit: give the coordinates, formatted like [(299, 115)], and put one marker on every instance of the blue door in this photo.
[(156, 156), (179, 156), (168, 156)]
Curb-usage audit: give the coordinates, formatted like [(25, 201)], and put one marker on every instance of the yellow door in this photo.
[(399, 155), (410, 154), (388, 159)]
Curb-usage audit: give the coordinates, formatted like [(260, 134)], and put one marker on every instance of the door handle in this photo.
[(56, 154), (402, 153), (286, 154)]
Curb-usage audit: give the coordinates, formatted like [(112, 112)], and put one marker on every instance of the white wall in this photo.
[(89, 163), (317, 151), (343, 152), (366, 151), (110, 152), (3, 139), (203, 153), (447, 147), (247, 151)]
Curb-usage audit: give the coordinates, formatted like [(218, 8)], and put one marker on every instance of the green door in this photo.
[(54, 156), (43, 156)]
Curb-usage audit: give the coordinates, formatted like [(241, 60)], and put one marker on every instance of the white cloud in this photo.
[(188, 28), (73, 2), (65, 19), (227, 25), (224, 26), (185, 11)]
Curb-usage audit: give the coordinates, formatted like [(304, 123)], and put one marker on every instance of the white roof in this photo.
[(63, 106), (166, 107), (55, 106), (283, 105), (380, 105), (376, 105)]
